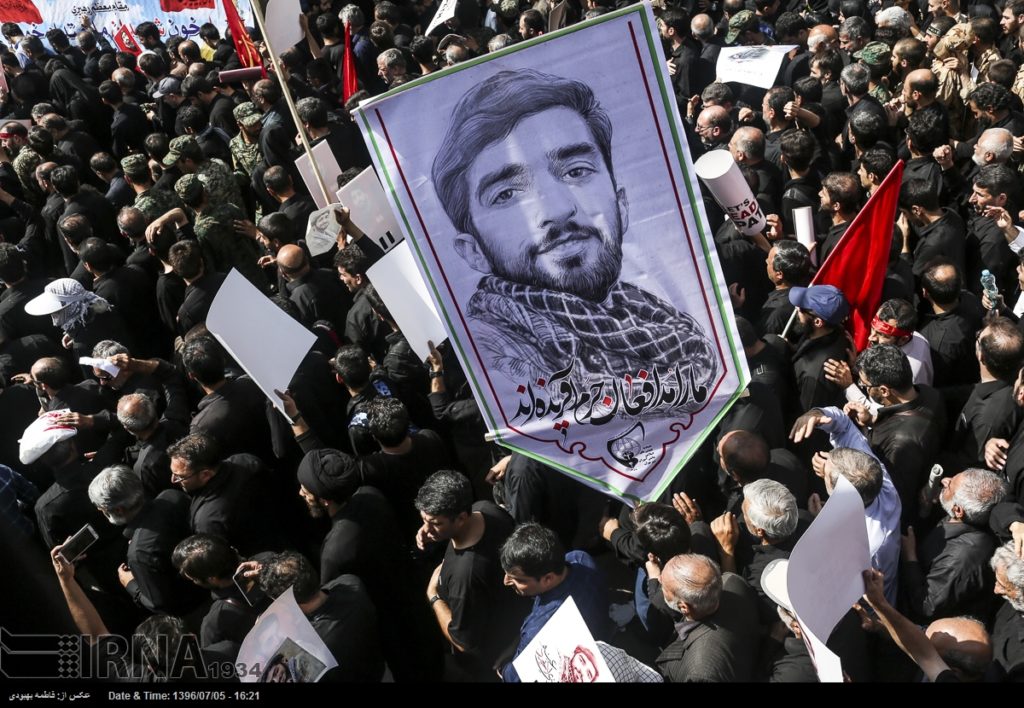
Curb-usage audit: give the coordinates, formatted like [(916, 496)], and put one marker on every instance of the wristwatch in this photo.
[(434, 598), (436, 374)]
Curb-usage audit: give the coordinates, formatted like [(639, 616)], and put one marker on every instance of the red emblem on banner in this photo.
[(125, 41), (20, 11), (182, 5)]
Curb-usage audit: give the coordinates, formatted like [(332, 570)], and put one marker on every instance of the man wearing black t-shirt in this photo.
[(478, 615)]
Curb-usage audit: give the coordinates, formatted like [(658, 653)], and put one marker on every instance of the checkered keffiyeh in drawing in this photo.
[(630, 331)]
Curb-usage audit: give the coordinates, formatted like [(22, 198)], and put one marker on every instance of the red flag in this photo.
[(20, 11), (858, 263), (349, 82), (125, 40), (246, 50)]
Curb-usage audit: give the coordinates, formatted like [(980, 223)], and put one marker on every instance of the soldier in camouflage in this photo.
[(220, 183), (245, 146), (152, 202), (223, 248)]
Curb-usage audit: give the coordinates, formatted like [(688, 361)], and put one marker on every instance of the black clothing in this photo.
[(132, 292), (1008, 644), (775, 313), (347, 623), (986, 249), (153, 533), (951, 338), (233, 505), (952, 577), (234, 414), (363, 327), (297, 208), (831, 240), (945, 238), (990, 412), (198, 299), (320, 295), (129, 130), (814, 390), (15, 323), (722, 647)]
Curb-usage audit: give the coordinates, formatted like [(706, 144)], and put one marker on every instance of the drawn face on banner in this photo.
[(548, 184)]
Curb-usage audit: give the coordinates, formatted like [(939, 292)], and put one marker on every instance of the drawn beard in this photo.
[(571, 275)]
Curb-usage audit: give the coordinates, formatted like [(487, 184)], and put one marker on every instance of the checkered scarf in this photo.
[(630, 331)]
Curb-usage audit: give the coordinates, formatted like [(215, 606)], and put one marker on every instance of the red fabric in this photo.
[(349, 82), (246, 50), (888, 329), (124, 38), (858, 263), (20, 11), (184, 5)]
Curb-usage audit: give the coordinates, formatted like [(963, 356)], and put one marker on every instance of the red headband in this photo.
[(889, 330)]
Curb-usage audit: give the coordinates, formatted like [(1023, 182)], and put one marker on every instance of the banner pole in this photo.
[(789, 324), (258, 14)]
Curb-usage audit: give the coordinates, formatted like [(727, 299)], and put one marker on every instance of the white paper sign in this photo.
[(322, 230), (564, 651), (401, 287), (101, 364), (370, 209), (282, 21), (329, 170), (445, 12), (283, 647), (267, 343), (756, 66), (824, 574)]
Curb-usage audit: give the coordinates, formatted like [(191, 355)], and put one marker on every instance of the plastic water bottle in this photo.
[(988, 284), (931, 491)]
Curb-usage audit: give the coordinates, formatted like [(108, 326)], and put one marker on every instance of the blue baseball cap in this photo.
[(825, 301)]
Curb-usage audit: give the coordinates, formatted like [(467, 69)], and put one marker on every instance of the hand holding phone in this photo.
[(76, 546)]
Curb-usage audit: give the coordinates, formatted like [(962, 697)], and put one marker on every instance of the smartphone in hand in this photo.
[(78, 544)]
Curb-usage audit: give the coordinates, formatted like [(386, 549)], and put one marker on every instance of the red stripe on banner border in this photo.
[(675, 427)]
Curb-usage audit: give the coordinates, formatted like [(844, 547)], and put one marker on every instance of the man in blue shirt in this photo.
[(536, 565)]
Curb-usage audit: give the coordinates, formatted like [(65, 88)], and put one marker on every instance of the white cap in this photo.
[(46, 303), (773, 582)]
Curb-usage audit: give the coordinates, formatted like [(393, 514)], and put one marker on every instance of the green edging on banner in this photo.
[(697, 220)]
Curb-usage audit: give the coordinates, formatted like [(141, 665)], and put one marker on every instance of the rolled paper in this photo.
[(721, 175)]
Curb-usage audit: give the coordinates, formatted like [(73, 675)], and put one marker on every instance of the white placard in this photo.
[(329, 170), (282, 21), (824, 577), (322, 230), (445, 12), (267, 343), (756, 66), (564, 651), (401, 287), (803, 224), (283, 646), (370, 209)]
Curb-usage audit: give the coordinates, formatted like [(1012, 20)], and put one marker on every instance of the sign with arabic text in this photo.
[(173, 17), (554, 213)]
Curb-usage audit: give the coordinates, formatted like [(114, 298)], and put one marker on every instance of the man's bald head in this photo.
[(996, 145), (137, 413), (714, 115), (744, 455), (964, 645), (822, 36), (702, 27), (924, 81), (692, 584), (124, 78), (747, 145), (292, 261)]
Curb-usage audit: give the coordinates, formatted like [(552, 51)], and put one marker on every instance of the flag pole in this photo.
[(258, 14), (789, 324)]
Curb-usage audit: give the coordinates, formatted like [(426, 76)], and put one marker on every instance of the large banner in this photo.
[(550, 201), (173, 17)]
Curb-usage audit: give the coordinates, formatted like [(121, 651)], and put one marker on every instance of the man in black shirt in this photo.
[(15, 323), (478, 615), (362, 326), (788, 265), (955, 317), (228, 495), (936, 231), (153, 528), (315, 291), (186, 258), (1007, 647), (341, 613)]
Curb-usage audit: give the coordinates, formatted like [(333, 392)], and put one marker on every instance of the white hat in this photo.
[(45, 303), (43, 434), (57, 295)]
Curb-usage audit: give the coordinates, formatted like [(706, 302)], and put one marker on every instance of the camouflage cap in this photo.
[(133, 162), (182, 143), (875, 54), (189, 187), (742, 21), (247, 114)]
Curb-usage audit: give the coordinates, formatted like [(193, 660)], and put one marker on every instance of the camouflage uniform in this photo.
[(154, 203), (223, 248), (25, 165), (246, 155), (221, 186)]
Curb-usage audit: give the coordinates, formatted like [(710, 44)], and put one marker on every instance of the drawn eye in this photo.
[(503, 196), (579, 172)]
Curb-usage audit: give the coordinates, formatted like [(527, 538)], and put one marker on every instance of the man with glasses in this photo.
[(714, 128), (229, 496)]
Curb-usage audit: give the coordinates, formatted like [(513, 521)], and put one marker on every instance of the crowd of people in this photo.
[(418, 550)]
